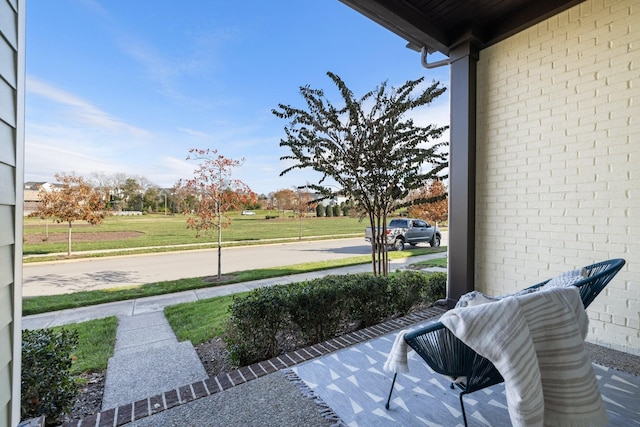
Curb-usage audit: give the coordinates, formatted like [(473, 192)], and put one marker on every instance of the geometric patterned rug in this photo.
[(353, 384)]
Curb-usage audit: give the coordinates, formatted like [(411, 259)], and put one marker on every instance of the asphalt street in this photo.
[(51, 278), (54, 278)]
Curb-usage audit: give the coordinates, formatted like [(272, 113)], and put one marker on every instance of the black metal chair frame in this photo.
[(449, 356)]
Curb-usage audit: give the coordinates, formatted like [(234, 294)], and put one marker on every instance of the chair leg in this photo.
[(464, 415), (391, 391)]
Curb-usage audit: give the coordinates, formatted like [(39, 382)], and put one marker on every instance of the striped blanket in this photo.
[(536, 341)]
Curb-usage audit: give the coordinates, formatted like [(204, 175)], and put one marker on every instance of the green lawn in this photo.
[(439, 262), (42, 304), (160, 230), (96, 340), (200, 321)]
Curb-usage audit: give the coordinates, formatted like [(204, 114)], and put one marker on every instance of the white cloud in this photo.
[(195, 133), (64, 133), (80, 111)]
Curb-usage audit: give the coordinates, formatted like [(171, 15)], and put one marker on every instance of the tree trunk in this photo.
[(69, 240), (219, 244)]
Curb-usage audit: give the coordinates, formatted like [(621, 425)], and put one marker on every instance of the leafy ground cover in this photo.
[(43, 304)]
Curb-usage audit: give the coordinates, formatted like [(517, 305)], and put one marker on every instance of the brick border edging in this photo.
[(152, 405)]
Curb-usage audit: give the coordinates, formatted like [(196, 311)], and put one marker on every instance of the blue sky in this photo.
[(130, 86)]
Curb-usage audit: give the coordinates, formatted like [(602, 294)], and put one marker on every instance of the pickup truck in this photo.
[(401, 231)]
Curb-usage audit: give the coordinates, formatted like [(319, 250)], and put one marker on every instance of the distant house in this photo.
[(31, 194)]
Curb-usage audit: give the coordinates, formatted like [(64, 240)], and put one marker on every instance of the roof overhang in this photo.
[(440, 26)]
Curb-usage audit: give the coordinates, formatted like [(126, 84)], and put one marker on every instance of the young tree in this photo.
[(150, 198), (368, 147), (74, 200), (284, 199), (217, 193), (436, 207), (132, 192), (301, 203)]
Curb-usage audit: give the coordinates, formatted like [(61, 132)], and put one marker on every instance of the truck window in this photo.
[(398, 223)]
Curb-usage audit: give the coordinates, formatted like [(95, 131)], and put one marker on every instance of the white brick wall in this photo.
[(558, 182)]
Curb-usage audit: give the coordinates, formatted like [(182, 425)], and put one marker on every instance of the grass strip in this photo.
[(96, 341), (47, 303), (438, 262), (200, 321)]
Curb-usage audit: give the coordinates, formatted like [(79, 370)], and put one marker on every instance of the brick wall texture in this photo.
[(558, 182)]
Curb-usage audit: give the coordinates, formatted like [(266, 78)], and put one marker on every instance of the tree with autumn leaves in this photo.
[(431, 202), (73, 200), (216, 193)]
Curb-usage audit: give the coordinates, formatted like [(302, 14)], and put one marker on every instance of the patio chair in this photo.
[(469, 371)]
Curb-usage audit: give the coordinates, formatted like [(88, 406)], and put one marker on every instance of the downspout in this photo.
[(425, 60)]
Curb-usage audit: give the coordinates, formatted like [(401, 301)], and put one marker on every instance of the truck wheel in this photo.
[(398, 245), (435, 241)]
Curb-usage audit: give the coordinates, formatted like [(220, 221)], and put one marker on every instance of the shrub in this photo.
[(254, 324), (336, 210), (47, 387), (317, 307), (436, 287), (320, 210), (329, 210), (369, 298)]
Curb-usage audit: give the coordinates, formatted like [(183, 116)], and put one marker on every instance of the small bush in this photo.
[(369, 299), (329, 210), (320, 210), (254, 324), (47, 387), (435, 288), (317, 307), (336, 210)]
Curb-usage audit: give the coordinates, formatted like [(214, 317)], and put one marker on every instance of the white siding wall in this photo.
[(11, 172), (559, 159)]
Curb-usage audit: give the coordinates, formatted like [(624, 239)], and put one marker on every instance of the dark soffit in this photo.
[(441, 25)]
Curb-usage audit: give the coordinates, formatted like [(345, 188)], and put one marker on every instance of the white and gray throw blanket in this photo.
[(536, 341), (397, 359)]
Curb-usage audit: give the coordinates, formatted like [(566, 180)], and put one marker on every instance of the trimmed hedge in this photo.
[(271, 320)]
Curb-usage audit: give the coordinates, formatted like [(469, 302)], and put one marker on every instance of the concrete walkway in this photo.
[(148, 358)]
